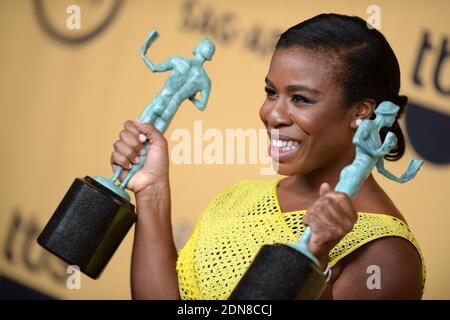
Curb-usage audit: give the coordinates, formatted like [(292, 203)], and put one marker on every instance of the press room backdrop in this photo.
[(65, 93)]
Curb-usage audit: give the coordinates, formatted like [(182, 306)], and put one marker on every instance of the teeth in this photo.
[(285, 145)]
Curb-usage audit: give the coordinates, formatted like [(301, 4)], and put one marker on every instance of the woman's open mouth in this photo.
[(282, 148)]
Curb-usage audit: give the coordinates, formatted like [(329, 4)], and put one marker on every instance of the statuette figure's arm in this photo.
[(166, 65), (389, 143), (201, 104)]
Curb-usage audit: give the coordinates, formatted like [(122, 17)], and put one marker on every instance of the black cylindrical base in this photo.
[(280, 272), (88, 226)]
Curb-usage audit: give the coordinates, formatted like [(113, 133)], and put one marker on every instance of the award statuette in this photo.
[(282, 272), (96, 213)]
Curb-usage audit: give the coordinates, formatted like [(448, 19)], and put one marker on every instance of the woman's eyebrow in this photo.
[(298, 87), (268, 83), (295, 87)]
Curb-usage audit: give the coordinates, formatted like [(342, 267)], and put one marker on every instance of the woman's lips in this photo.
[(283, 148)]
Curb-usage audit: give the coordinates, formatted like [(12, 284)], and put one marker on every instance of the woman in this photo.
[(326, 75)]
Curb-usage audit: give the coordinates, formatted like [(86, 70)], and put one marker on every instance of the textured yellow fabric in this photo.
[(246, 216)]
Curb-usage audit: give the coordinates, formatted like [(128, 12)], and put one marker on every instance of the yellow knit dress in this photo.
[(241, 219)]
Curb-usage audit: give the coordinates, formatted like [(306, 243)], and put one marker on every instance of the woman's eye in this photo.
[(270, 93), (300, 99)]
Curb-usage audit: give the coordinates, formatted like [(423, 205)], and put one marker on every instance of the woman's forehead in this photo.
[(303, 66)]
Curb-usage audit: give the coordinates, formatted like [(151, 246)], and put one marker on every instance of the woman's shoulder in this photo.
[(373, 199)]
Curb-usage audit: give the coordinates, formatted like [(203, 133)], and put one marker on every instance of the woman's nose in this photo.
[(278, 114)]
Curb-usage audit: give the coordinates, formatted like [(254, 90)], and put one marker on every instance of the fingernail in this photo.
[(130, 166), (137, 159), (142, 137), (142, 152)]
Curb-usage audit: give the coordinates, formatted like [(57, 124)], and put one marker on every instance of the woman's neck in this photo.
[(309, 183), (299, 192)]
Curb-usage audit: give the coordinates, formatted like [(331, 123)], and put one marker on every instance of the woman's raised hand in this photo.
[(129, 148)]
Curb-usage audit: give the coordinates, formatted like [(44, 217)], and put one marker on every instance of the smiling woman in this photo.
[(326, 74)]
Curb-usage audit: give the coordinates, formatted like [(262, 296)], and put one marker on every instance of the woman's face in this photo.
[(308, 128)]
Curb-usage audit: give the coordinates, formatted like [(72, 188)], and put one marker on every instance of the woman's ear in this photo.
[(362, 110)]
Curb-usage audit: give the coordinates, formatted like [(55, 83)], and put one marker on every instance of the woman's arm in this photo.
[(153, 264), (387, 268), (153, 269)]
